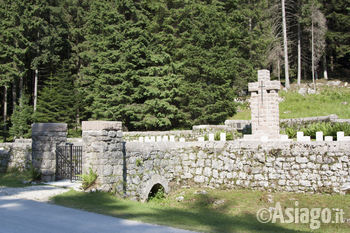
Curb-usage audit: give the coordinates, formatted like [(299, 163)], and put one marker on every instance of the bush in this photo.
[(88, 179), (34, 172)]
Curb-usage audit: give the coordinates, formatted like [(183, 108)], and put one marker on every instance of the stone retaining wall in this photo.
[(17, 155), (283, 166)]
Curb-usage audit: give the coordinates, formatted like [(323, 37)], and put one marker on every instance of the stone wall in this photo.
[(16, 155), (46, 137), (283, 166)]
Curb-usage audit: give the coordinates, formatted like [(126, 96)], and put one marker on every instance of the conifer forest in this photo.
[(158, 64)]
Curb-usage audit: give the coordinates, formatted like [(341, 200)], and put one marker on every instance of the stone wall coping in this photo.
[(244, 145), (156, 133), (332, 117), (101, 125), (49, 127), (196, 127)]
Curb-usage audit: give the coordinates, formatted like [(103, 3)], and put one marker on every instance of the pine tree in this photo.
[(21, 119), (57, 101)]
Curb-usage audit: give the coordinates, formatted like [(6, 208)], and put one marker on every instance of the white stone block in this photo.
[(159, 138), (340, 136), (140, 139), (306, 139), (182, 140), (347, 138), (153, 138), (223, 137), (147, 139), (172, 138), (165, 138), (284, 137), (319, 136), (211, 137), (201, 139), (300, 136), (264, 138), (328, 138)]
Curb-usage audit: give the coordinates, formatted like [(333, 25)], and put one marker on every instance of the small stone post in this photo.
[(103, 152), (46, 136)]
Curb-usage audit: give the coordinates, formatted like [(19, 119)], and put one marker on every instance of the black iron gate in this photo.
[(69, 162)]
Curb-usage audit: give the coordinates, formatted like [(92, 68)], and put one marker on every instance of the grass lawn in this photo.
[(200, 213), (14, 179)]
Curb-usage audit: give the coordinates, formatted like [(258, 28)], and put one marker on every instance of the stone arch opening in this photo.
[(153, 185), (154, 190)]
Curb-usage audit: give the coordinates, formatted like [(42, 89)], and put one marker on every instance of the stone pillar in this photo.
[(103, 152), (46, 136)]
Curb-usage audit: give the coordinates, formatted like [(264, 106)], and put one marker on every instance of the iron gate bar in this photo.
[(69, 162)]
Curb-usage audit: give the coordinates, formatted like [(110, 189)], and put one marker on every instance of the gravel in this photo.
[(41, 193)]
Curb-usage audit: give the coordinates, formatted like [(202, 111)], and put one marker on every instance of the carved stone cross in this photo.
[(264, 107)]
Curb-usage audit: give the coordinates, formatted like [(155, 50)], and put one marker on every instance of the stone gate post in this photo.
[(46, 136), (103, 152)]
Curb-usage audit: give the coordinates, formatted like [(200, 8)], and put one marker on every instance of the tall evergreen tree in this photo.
[(57, 101), (22, 119)]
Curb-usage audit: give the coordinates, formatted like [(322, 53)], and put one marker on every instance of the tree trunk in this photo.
[(325, 73), (312, 54), (278, 65), (299, 56), (21, 86), (286, 66), (36, 77), (5, 111), (14, 95)]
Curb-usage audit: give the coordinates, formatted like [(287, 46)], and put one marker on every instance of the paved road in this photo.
[(25, 216)]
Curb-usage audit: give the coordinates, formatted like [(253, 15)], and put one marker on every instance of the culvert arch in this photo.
[(155, 180)]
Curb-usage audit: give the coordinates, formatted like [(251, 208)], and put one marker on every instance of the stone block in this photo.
[(49, 127), (328, 138), (319, 136), (211, 137), (101, 125), (223, 137)]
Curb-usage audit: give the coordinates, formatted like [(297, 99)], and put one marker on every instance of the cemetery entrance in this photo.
[(69, 162)]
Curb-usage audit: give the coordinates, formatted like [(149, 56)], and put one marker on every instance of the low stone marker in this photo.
[(211, 137), (319, 136), (223, 137)]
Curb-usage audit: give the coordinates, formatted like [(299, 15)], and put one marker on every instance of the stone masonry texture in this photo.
[(46, 137)]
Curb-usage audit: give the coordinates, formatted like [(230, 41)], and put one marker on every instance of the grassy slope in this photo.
[(328, 101), (199, 213)]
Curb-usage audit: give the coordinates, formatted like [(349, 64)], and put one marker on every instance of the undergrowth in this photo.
[(88, 178)]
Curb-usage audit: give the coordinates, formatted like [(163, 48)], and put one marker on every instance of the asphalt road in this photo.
[(25, 216)]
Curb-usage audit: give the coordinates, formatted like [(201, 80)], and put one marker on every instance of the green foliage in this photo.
[(229, 136), (290, 131), (22, 119), (138, 162), (74, 133), (158, 196), (34, 172), (328, 129), (59, 101), (88, 178)]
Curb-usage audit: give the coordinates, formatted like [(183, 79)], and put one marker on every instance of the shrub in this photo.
[(34, 172), (88, 179)]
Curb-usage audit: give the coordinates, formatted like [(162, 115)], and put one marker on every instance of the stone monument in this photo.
[(265, 109)]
